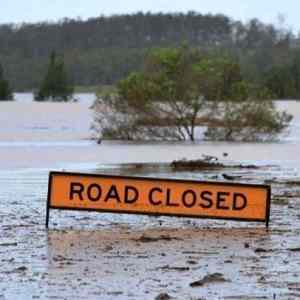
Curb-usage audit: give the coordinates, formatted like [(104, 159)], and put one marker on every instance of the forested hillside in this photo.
[(105, 49)]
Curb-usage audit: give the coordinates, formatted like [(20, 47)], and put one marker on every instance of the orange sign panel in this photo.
[(120, 194)]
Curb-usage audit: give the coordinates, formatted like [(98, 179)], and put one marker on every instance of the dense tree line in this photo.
[(104, 50)]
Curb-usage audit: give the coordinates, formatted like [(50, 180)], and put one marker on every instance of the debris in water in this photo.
[(229, 177), (20, 269), (211, 278), (180, 269), (199, 164), (191, 262), (294, 249), (260, 250), (8, 244), (163, 296), (149, 239), (208, 163)]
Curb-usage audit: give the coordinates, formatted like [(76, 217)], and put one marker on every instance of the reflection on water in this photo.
[(48, 144), (80, 97)]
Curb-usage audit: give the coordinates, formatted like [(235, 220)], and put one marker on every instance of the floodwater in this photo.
[(105, 256)]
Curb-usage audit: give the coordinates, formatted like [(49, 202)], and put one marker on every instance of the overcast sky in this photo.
[(16, 11)]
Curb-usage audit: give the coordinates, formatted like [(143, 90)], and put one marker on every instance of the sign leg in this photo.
[(47, 216)]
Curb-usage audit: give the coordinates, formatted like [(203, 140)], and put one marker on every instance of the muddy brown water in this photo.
[(111, 256)]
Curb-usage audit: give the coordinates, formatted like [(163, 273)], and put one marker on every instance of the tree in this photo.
[(295, 72), (163, 102), (252, 120), (5, 91), (181, 89), (281, 81), (55, 86)]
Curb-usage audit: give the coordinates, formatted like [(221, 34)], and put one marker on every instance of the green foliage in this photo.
[(248, 121), (219, 78), (55, 86), (5, 91), (295, 72), (281, 82), (159, 103), (180, 89)]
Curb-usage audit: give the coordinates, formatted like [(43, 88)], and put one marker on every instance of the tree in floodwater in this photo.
[(163, 102), (5, 91), (254, 119), (239, 111), (56, 85), (181, 89)]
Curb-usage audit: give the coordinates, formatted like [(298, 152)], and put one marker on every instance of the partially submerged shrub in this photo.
[(248, 121), (114, 119)]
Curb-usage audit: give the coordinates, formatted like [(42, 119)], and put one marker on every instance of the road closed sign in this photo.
[(152, 196)]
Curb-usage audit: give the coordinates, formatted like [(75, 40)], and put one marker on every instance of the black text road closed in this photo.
[(121, 194)]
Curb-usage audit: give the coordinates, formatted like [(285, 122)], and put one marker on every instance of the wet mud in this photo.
[(105, 256)]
